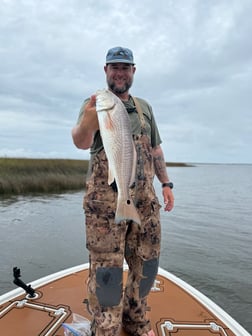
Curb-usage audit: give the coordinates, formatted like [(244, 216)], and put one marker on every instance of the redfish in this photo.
[(115, 130)]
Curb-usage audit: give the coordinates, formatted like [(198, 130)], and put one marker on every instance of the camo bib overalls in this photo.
[(109, 243)]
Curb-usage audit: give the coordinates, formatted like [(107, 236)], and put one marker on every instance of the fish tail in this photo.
[(126, 210)]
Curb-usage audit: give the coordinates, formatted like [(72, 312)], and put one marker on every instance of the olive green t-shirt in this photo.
[(150, 124)]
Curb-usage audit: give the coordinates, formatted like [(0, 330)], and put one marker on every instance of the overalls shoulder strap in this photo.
[(139, 111)]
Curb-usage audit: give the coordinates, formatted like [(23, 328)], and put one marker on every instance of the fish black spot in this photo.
[(128, 202)]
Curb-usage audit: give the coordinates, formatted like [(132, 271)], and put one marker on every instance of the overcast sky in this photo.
[(194, 66)]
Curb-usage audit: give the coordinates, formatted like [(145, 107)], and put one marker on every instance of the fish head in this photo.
[(105, 100)]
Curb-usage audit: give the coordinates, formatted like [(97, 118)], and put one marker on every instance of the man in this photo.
[(109, 243)]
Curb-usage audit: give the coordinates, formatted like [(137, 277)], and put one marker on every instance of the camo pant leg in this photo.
[(105, 241), (107, 318), (142, 255)]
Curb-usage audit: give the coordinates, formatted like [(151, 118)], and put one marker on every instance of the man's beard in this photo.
[(112, 86)]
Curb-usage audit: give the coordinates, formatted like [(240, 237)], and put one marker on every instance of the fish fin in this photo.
[(133, 171), (108, 122), (126, 210)]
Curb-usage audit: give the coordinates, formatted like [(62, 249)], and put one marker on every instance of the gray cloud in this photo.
[(193, 61)]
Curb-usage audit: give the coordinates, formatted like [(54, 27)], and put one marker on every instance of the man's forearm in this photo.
[(82, 138), (160, 165)]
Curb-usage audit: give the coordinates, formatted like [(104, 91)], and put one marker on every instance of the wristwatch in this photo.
[(168, 184)]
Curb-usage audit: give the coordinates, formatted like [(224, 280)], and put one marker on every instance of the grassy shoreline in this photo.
[(23, 176)]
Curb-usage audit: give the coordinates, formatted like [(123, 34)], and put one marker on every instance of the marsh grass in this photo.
[(22, 176)]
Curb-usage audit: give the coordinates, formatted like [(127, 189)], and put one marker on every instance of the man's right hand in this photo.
[(89, 118), (84, 131)]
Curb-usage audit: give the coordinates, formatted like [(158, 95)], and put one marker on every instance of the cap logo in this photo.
[(123, 53)]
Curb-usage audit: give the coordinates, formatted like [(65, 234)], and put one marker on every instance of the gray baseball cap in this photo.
[(119, 55)]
